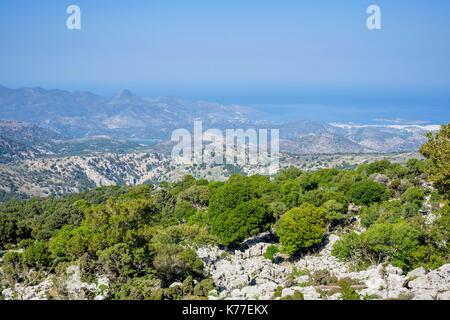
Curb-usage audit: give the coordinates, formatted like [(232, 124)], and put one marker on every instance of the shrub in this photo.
[(117, 261), (301, 228), (335, 211), (12, 267), (375, 167), (413, 195), (175, 263), (350, 248), (366, 192), (249, 218), (389, 211), (296, 296), (437, 150), (348, 293), (398, 243), (203, 287), (288, 174), (271, 251), (278, 292), (142, 288), (197, 196), (37, 255), (238, 189)]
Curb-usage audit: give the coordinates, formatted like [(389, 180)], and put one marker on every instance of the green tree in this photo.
[(366, 192), (413, 195), (249, 218), (301, 228), (397, 243), (175, 263), (37, 255), (437, 150), (290, 173), (140, 288)]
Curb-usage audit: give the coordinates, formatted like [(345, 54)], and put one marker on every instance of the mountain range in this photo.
[(34, 118)]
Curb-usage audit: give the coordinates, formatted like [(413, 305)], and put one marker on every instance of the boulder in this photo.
[(287, 292), (419, 272), (425, 295), (309, 293), (444, 295)]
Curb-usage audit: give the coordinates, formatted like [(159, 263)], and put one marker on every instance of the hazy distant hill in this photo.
[(305, 137), (127, 116), (26, 141), (23, 141), (124, 115)]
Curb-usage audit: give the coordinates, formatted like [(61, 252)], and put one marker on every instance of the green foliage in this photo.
[(375, 167), (197, 196), (174, 263), (271, 251), (144, 238), (37, 255), (400, 243), (301, 228), (9, 230), (142, 288), (437, 150), (12, 267), (240, 208), (334, 211), (389, 211), (249, 218), (366, 192), (203, 287), (278, 292), (239, 189), (290, 173), (120, 260), (296, 296), (413, 195), (348, 293)]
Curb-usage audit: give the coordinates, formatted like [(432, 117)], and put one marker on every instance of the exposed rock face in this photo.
[(244, 275), (434, 285), (248, 275), (323, 260), (69, 286), (37, 292)]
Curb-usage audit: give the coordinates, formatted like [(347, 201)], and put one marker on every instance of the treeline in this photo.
[(144, 238)]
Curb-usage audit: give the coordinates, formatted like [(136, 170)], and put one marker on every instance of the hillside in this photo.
[(20, 141), (127, 116), (62, 175), (378, 231)]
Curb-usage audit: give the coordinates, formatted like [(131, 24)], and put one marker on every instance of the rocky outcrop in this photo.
[(68, 287), (433, 285), (246, 274)]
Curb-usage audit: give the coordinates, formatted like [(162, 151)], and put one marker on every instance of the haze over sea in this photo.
[(290, 103)]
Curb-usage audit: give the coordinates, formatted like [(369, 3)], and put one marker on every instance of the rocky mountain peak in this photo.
[(124, 94)]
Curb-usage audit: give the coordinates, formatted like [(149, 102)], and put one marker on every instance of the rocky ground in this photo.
[(68, 287), (45, 176), (247, 275)]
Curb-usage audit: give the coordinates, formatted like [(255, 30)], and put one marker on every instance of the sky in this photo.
[(274, 52)]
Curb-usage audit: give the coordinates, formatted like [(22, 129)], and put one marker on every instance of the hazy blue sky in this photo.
[(269, 49)]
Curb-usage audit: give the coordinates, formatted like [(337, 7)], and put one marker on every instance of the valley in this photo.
[(54, 142)]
